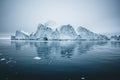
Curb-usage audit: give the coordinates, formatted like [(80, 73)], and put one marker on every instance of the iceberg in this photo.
[(32, 36), (43, 32), (115, 37), (87, 34), (66, 32), (20, 35), (55, 35)]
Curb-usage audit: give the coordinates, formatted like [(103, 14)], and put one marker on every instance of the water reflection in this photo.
[(20, 45), (43, 50), (79, 60), (115, 44), (47, 50), (67, 51)]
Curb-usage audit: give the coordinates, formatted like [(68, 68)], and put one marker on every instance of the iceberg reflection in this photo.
[(48, 50)]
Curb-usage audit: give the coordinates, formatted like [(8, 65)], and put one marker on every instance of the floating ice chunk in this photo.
[(82, 78), (2, 59), (37, 58)]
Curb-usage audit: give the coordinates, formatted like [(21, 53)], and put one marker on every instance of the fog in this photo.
[(100, 16)]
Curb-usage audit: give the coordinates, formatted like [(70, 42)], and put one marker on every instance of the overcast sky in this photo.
[(100, 16)]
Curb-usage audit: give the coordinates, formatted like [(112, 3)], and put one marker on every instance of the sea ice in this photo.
[(37, 58), (2, 59), (82, 78)]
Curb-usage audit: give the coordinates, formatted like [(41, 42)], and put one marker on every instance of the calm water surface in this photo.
[(59, 60)]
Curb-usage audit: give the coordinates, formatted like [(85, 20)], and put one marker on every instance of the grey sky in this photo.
[(100, 16)]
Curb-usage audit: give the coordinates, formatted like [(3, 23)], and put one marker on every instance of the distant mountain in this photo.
[(44, 32)]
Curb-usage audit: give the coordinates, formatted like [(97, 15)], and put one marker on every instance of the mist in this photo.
[(100, 16)]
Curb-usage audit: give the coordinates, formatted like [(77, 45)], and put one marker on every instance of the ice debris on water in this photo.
[(37, 58), (2, 59), (10, 61), (83, 78)]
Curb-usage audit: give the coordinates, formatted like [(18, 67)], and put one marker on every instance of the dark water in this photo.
[(20, 60)]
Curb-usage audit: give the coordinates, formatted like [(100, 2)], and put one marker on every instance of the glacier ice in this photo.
[(32, 36), (43, 31), (87, 34), (66, 32), (115, 37), (20, 35), (55, 34)]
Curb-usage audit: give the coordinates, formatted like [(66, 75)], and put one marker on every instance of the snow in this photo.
[(24, 32)]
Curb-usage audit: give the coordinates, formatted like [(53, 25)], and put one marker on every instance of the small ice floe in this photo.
[(83, 78), (37, 58), (2, 59)]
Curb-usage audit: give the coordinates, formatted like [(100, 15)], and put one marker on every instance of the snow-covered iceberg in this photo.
[(20, 35), (115, 37), (87, 34), (55, 35), (67, 32), (44, 32)]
